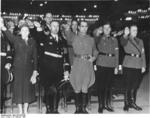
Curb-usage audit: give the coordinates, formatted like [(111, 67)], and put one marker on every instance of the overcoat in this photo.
[(25, 62)]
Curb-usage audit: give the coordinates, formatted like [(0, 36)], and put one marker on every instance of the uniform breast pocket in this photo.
[(19, 45)]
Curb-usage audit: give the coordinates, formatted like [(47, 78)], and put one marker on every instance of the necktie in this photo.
[(136, 40), (55, 38)]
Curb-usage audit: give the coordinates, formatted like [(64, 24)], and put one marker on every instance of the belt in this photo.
[(52, 54), (133, 55), (107, 54), (9, 57), (69, 46), (86, 57), (3, 54)]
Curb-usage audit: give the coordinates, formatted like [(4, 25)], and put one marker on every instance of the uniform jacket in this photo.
[(82, 73), (5, 57), (6, 50), (49, 44), (51, 67), (107, 45), (131, 61)]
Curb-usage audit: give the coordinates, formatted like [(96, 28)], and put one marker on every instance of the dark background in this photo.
[(105, 8)]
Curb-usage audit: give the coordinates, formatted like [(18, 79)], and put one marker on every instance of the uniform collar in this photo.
[(55, 36), (107, 36), (76, 32), (82, 35), (135, 39)]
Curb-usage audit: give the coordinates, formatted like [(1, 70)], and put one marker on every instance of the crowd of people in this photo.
[(43, 48)]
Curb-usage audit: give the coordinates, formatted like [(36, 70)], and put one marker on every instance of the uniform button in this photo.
[(41, 44), (50, 43)]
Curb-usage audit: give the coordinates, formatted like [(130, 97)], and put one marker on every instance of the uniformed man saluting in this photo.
[(51, 67), (133, 65), (6, 59), (45, 24), (107, 63), (82, 75)]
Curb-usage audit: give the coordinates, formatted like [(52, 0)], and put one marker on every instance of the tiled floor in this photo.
[(143, 99)]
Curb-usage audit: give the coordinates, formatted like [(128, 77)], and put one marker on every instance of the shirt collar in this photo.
[(55, 36)]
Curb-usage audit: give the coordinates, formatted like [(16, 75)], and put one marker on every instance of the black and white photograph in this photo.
[(74, 57)]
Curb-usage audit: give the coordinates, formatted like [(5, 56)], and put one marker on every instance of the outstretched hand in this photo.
[(2, 27)]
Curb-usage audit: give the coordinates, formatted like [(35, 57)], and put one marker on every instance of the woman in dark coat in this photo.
[(24, 67)]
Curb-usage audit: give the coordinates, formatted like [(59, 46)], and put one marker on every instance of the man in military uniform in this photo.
[(51, 67), (82, 75), (107, 63), (6, 58), (46, 23), (133, 65)]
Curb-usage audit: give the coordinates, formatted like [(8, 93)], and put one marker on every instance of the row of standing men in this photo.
[(48, 52)]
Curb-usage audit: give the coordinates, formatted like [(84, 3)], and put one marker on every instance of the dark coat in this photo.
[(6, 57), (51, 68), (25, 62)]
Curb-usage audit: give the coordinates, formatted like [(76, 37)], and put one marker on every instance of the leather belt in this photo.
[(53, 54), (86, 57), (106, 54), (69, 46), (3, 54), (133, 55)]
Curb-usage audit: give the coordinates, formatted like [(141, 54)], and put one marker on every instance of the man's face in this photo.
[(11, 26), (30, 23), (133, 31), (21, 22), (24, 31), (54, 27), (69, 22), (83, 27), (48, 18), (107, 29), (74, 25)]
